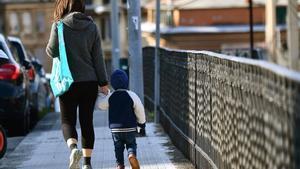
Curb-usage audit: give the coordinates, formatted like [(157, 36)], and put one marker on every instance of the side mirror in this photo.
[(27, 64)]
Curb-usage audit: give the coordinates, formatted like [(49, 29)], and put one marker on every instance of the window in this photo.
[(14, 53), (27, 24), (18, 52), (106, 2), (3, 55), (170, 18), (14, 23), (1, 24), (88, 2), (1, 47), (108, 30), (41, 22), (105, 28), (102, 30)]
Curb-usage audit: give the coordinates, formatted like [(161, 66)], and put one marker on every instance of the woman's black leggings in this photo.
[(81, 95)]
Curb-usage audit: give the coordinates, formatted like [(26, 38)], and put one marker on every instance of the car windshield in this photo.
[(17, 52), (2, 54)]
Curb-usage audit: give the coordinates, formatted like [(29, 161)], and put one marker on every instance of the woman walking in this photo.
[(86, 63)]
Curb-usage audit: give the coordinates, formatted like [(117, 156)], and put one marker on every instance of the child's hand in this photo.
[(102, 99), (141, 129), (142, 132), (104, 90)]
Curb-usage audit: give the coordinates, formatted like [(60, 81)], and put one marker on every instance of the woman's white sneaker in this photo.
[(87, 167), (75, 157)]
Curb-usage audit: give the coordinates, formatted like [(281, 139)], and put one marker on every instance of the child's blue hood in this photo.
[(119, 80)]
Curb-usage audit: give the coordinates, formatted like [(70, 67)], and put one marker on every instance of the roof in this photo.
[(24, 1), (204, 4), (150, 27)]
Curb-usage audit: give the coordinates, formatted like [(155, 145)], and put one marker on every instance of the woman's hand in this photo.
[(104, 90)]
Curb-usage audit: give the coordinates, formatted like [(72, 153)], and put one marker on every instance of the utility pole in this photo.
[(115, 50), (271, 29), (251, 28), (157, 64), (293, 35), (136, 80)]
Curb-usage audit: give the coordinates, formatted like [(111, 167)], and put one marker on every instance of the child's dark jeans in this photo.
[(122, 139)]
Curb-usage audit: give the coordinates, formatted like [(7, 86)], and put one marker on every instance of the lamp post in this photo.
[(270, 31), (115, 51), (251, 28), (293, 35), (136, 82), (157, 64)]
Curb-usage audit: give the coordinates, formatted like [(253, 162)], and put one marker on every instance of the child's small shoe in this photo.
[(133, 162), (87, 167), (120, 167)]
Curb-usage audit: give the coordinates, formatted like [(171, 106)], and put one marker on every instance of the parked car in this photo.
[(37, 89), (3, 142), (14, 95), (45, 92)]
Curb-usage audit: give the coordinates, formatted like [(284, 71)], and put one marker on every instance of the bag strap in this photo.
[(62, 49)]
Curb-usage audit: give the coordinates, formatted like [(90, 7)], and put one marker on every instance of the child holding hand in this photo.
[(126, 113)]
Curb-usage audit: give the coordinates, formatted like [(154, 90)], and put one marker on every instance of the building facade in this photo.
[(211, 25), (31, 21), (100, 10)]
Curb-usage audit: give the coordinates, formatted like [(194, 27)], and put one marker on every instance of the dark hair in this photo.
[(64, 7)]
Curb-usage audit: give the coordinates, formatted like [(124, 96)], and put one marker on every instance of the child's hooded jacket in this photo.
[(126, 110)]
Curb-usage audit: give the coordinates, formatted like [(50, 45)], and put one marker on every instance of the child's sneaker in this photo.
[(133, 162), (75, 157), (87, 167)]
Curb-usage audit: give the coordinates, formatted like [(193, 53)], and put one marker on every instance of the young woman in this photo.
[(87, 66)]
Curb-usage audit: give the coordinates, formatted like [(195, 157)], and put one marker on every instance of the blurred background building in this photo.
[(31, 21), (100, 10), (209, 25), (217, 25)]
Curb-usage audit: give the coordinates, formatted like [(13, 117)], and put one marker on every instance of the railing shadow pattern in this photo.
[(226, 112)]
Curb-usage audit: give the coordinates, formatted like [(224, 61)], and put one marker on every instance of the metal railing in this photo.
[(227, 112)]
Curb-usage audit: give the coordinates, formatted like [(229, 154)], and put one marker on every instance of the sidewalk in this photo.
[(44, 148)]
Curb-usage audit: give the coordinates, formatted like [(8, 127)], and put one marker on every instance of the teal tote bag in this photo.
[(61, 77)]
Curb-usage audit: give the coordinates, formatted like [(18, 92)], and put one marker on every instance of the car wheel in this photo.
[(27, 123), (23, 125), (3, 142), (34, 112), (33, 117)]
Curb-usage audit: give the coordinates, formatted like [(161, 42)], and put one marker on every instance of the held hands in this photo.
[(102, 101), (104, 90)]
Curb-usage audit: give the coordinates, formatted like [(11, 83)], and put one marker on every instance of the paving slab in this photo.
[(44, 148)]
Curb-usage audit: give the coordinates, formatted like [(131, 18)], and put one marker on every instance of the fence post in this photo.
[(196, 112), (157, 64)]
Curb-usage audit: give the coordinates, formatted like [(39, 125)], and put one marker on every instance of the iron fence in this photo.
[(226, 112)]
